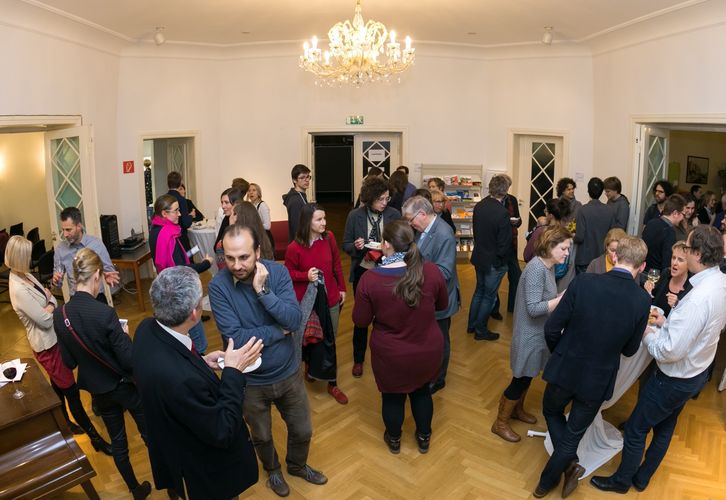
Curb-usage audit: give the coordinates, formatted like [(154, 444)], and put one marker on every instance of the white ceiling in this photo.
[(478, 22)]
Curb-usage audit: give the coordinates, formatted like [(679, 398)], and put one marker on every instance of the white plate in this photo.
[(373, 245), (251, 368)]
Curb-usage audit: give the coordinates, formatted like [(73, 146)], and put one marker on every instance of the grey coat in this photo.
[(529, 352), (356, 226), (439, 247)]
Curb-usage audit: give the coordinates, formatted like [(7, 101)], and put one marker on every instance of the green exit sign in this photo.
[(354, 120)]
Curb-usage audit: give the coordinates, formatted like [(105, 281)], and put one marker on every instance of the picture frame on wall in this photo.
[(697, 170)]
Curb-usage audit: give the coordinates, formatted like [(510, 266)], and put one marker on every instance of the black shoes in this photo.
[(488, 335), (394, 445), (437, 386), (75, 428), (423, 442), (98, 442), (496, 315), (142, 491), (205, 317), (309, 474), (277, 483), (605, 483)]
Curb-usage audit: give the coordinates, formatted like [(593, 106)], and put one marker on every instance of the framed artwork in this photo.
[(697, 170)]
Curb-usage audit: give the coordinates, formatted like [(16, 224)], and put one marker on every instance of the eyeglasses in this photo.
[(176, 210), (383, 199), (413, 217), (304, 177)]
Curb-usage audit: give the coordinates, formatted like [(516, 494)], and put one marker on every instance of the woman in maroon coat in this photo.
[(400, 298)]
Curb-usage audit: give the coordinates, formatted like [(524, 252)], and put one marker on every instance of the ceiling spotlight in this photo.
[(547, 35), (159, 37)]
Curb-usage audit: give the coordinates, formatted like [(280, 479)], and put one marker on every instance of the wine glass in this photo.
[(653, 276), (9, 374)]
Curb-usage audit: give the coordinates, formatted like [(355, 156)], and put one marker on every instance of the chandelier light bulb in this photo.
[(393, 36), (547, 36), (408, 43), (159, 37), (315, 42)]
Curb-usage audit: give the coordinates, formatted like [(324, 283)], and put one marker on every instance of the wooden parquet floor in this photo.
[(466, 460)]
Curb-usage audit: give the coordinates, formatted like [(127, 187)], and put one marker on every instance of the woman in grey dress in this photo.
[(536, 298)]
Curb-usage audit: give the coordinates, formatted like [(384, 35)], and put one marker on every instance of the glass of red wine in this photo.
[(9, 374)]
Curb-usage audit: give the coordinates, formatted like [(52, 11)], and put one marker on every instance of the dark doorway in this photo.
[(333, 168)]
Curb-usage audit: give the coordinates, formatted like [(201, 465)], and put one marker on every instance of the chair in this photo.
[(279, 233), (34, 235), (37, 253), (17, 229), (45, 268)]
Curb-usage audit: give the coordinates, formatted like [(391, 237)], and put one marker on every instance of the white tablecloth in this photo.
[(602, 441), (203, 237)]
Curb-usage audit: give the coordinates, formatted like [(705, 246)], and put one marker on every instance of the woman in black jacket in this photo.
[(92, 338)]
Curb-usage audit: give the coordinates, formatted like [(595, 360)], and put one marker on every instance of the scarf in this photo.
[(395, 257), (166, 241), (374, 235)]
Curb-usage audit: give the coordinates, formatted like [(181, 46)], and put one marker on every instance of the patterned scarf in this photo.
[(396, 257)]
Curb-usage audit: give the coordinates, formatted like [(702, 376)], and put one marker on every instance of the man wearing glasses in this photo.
[(437, 244), (661, 191), (684, 346), (296, 198)]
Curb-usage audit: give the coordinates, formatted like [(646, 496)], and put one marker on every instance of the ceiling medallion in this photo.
[(358, 53)]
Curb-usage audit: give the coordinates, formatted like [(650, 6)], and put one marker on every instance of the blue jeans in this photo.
[(565, 434), (199, 339), (485, 294), (658, 408)]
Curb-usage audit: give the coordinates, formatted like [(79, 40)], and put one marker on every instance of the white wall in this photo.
[(250, 113), (22, 183), (680, 74)]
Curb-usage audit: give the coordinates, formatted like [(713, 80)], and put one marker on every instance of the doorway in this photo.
[(333, 167)]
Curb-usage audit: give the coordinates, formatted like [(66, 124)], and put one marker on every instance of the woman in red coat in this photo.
[(400, 298), (313, 255)]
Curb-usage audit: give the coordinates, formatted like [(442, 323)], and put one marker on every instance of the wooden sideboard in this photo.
[(38, 456)]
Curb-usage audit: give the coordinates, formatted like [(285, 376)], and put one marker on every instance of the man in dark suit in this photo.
[(593, 221), (513, 270), (197, 436), (437, 244), (660, 233), (600, 317), (174, 183), (492, 246)]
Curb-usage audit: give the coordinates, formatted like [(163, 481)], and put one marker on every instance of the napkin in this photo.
[(18, 376)]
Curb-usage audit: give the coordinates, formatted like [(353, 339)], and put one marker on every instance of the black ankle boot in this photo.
[(423, 441), (142, 491), (97, 441)]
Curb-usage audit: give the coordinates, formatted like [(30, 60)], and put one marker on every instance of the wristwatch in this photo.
[(264, 291)]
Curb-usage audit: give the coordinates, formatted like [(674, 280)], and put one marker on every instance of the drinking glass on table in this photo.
[(10, 372)]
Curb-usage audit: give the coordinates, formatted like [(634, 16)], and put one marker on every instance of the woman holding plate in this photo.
[(361, 240)]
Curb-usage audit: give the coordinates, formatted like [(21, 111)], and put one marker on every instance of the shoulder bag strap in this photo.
[(67, 322)]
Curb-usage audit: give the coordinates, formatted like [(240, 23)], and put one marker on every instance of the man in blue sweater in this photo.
[(255, 298)]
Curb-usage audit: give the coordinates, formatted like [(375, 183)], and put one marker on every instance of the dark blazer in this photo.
[(199, 215), (651, 213), (439, 247), (594, 220), (660, 236), (98, 327), (196, 433), (492, 234), (356, 226), (600, 317)]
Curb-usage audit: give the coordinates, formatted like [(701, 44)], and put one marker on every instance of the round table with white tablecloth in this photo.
[(203, 236)]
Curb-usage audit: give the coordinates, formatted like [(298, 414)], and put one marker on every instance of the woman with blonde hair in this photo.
[(536, 298), (93, 340), (254, 196), (400, 297), (607, 261), (34, 305)]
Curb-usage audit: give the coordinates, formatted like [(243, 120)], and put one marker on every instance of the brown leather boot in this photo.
[(500, 427), (522, 415)]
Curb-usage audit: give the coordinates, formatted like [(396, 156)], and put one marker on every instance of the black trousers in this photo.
[(360, 333), (111, 406), (73, 396), (394, 407)]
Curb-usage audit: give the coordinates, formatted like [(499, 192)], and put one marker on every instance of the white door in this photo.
[(382, 150), (651, 161), (539, 167), (70, 179)]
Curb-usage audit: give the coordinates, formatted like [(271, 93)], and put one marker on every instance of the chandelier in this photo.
[(358, 52)]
